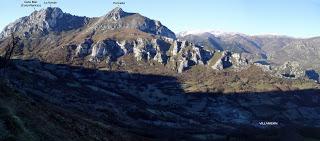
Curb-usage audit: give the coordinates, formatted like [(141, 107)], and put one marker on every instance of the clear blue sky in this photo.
[(298, 18)]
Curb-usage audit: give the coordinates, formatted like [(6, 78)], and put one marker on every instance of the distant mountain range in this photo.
[(273, 48)]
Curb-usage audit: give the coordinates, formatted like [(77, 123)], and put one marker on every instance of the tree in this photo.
[(12, 45)]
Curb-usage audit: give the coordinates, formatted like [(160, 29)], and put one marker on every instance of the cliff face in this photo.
[(53, 36)]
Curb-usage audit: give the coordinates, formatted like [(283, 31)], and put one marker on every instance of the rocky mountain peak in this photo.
[(116, 14), (50, 12), (38, 23), (49, 16), (119, 19)]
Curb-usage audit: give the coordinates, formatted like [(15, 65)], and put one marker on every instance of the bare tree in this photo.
[(13, 43)]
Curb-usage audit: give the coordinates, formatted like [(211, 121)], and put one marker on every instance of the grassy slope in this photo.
[(252, 79), (204, 79)]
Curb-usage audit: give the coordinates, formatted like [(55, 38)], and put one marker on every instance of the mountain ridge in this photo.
[(273, 48), (45, 20), (108, 39), (226, 33)]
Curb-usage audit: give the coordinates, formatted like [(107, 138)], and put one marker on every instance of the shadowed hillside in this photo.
[(42, 101)]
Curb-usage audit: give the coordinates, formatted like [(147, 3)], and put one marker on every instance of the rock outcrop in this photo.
[(183, 53), (107, 49), (84, 48), (116, 14), (187, 54), (229, 59), (119, 19), (43, 22), (290, 69)]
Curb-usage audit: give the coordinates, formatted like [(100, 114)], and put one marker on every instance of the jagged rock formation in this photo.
[(84, 48), (117, 14), (106, 49), (44, 21), (223, 62), (119, 19), (183, 53), (228, 59), (187, 54), (290, 70)]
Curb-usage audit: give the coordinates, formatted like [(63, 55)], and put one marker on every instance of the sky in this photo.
[(296, 18)]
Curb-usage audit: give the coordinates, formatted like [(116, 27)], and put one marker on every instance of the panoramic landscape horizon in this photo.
[(160, 71)]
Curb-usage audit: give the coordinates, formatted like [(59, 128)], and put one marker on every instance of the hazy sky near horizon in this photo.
[(297, 18)]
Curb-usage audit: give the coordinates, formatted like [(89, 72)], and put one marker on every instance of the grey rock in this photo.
[(229, 59), (143, 50), (44, 21), (223, 62), (290, 69), (84, 48), (176, 48), (119, 19), (184, 64), (106, 49), (264, 65), (239, 61), (117, 14)]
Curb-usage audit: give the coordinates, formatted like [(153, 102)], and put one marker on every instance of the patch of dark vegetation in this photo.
[(118, 105)]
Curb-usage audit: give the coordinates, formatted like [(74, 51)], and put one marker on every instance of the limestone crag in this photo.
[(290, 69), (44, 21), (119, 19), (229, 59), (84, 48), (106, 49), (183, 53)]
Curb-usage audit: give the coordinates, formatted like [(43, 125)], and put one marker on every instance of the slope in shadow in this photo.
[(156, 107)]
